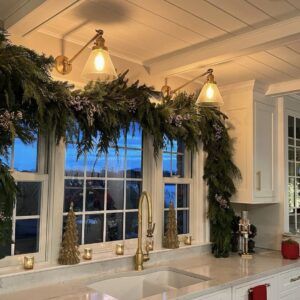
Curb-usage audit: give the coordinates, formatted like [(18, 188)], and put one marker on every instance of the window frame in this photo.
[(39, 176), (295, 115)]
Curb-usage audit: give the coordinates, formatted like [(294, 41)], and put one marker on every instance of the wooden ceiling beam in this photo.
[(211, 53)]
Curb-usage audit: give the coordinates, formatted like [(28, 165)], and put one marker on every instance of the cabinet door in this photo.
[(263, 177), (293, 294), (240, 292), (222, 295)]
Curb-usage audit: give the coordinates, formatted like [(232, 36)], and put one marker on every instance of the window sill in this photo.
[(157, 256)]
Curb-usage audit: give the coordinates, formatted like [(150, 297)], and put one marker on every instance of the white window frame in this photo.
[(295, 115), (152, 182), (41, 177)]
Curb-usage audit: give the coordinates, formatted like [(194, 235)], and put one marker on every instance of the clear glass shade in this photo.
[(210, 95), (99, 66)]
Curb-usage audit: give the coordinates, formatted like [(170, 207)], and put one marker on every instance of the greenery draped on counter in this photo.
[(31, 101)]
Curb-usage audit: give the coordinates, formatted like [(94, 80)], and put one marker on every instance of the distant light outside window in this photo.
[(105, 189)]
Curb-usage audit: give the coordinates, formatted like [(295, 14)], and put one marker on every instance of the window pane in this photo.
[(291, 153), (165, 221), (115, 194), (178, 165), (297, 192), (115, 163), (28, 198), (93, 231), (73, 167), (134, 136), (182, 195), (114, 227), (95, 190), (166, 164), (134, 164), (131, 225), (25, 156), (297, 154), (79, 227), (298, 128), (291, 192), (167, 145), (291, 169), (95, 164), (291, 126), (133, 192), (170, 195), (73, 193), (297, 169), (182, 221), (27, 236)]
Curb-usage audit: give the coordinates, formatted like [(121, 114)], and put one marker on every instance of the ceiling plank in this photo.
[(205, 54), (35, 13)]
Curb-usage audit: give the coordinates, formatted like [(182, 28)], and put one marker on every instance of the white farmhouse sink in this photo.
[(139, 285)]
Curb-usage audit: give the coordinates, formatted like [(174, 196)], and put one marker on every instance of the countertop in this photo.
[(224, 272)]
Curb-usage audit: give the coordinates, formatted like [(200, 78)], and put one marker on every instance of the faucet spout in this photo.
[(140, 257)]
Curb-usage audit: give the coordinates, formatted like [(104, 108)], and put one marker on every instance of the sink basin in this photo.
[(139, 285)]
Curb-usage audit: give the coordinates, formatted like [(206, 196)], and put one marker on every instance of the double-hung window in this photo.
[(30, 211), (294, 173), (105, 189)]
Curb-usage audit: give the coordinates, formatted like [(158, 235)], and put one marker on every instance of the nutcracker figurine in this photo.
[(244, 230)]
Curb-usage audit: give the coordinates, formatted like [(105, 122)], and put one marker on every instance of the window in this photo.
[(28, 231), (105, 189), (177, 183), (294, 173)]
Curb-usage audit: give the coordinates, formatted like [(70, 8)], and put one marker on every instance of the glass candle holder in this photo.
[(188, 240), (119, 249), (87, 253), (28, 262)]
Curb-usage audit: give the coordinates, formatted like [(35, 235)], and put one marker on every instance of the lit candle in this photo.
[(119, 249), (188, 240), (28, 262), (88, 253)]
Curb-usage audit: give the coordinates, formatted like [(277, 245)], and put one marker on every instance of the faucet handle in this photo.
[(150, 230)]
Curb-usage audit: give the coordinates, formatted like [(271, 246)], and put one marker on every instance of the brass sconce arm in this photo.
[(63, 64)]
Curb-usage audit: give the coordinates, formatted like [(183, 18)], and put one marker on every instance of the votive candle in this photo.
[(87, 253), (28, 262)]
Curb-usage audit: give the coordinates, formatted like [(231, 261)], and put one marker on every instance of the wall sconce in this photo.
[(209, 96), (98, 66)]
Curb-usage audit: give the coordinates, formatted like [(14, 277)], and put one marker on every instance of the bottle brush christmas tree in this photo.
[(171, 238), (69, 253)]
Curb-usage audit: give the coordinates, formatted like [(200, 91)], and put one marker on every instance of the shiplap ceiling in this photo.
[(182, 37)]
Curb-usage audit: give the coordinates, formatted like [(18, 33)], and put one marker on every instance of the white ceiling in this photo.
[(180, 37)]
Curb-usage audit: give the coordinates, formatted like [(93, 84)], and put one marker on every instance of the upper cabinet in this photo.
[(252, 118)]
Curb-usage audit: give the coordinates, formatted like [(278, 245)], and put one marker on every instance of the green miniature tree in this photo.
[(69, 253)]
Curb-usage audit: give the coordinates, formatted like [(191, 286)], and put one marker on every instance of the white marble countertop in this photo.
[(224, 272)]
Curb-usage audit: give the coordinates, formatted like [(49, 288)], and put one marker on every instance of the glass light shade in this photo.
[(99, 66), (210, 95)]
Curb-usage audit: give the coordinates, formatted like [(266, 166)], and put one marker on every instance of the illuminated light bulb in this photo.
[(99, 62), (210, 92)]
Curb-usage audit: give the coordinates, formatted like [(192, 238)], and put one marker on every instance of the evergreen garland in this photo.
[(31, 101)]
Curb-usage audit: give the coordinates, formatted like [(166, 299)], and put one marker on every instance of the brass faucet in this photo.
[(140, 257)]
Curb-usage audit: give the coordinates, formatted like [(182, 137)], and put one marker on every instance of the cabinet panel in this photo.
[(240, 292), (263, 181), (222, 295)]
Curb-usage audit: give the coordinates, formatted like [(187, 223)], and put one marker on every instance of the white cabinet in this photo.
[(289, 285), (221, 295), (240, 292), (252, 116)]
